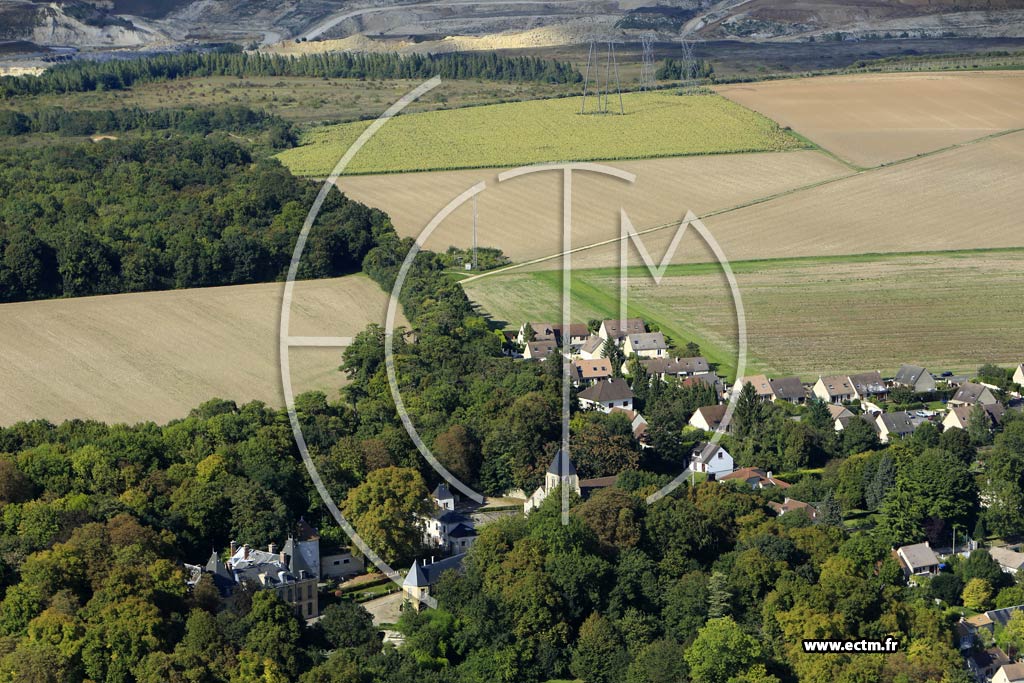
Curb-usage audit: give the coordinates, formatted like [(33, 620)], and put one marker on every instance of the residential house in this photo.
[(899, 425), (959, 417), (663, 368), (917, 559), (790, 505), (577, 333), (330, 562), (970, 393), (984, 663), (539, 350), (340, 563), (1010, 673), (789, 389), (421, 577), (443, 497), (561, 472), (834, 389), (637, 423), (449, 531), (708, 418), (1018, 375), (592, 348), (756, 478), (646, 345), (840, 416), (1010, 561), (607, 394), (590, 371), (868, 386), (761, 385), (712, 460), (916, 378), (711, 379), (618, 330)]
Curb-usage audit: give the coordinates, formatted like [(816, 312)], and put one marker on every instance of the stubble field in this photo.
[(879, 118), (156, 355)]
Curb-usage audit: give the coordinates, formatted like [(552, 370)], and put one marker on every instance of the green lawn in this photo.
[(656, 124)]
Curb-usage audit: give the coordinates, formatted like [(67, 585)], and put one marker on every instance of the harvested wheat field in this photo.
[(156, 355), (873, 119), (964, 198), (807, 316), (523, 216)]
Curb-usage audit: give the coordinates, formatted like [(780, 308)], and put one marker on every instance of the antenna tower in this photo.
[(647, 70)]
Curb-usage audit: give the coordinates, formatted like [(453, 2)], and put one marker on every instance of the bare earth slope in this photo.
[(878, 118), (155, 355)]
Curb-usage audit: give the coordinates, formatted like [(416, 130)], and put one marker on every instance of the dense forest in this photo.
[(236, 119), (82, 75), (162, 212)]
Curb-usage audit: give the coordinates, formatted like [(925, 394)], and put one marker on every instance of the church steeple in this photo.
[(561, 472)]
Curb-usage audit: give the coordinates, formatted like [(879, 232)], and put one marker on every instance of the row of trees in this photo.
[(189, 120), (163, 212), (84, 76)]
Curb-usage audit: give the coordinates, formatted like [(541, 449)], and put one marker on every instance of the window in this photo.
[(309, 591), (309, 609), (336, 562), (290, 595), (345, 561)]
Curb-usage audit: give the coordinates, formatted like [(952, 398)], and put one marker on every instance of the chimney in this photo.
[(769, 474), (271, 548), (234, 547), (245, 551), (283, 557)]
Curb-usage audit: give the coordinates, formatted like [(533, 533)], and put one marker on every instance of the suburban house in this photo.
[(646, 345), (834, 389), (761, 385), (675, 367), (790, 505), (916, 378), (443, 497), (970, 393), (1010, 561), (591, 348), (1018, 375), (589, 371), (709, 378), (960, 416), (712, 460), (899, 424), (578, 333), (618, 330), (789, 389), (448, 530), (840, 416), (756, 478), (420, 578), (868, 385), (539, 350), (918, 559), (607, 394), (1010, 673), (561, 472), (708, 418), (637, 423)]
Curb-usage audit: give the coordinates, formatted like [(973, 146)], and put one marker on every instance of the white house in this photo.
[(868, 385), (918, 559), (762, 385), (711, 460), (618, 330), (959, 417), (916, 378), (834, 389), (608, 394), (1018, 375), (589, 371), (1010, 673), (1009, 561), (561, 472), (539, 350), (646, 345), (592, 348), (708, 418), (898, 424), (443, 497), (421, 577), (840, 416)]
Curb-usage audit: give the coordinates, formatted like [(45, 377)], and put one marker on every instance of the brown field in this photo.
[(878, 118), (964, 198), (523, 216), (156, 355), (948, 311)]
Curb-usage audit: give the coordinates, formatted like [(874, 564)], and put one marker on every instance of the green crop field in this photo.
[(805, 316), (656, 124)]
